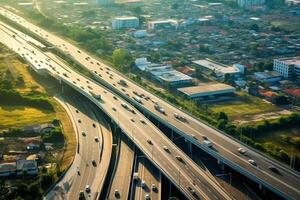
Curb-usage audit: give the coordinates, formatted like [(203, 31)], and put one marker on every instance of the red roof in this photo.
[(186, 70), (293, 92), (267, 93)]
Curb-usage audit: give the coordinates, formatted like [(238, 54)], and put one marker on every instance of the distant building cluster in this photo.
[(250, 3), (125, 22), (106, 2), (289, 68)]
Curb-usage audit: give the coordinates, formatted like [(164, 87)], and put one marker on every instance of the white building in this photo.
[(170, 23), (250, 3), (106, 2), (140, 33), (218, 70), (289, 68), (125, 22)]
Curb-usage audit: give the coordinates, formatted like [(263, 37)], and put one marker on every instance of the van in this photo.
[(208, 143)]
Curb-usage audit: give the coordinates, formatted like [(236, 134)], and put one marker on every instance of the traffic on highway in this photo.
[(181, 170), (263, 170)]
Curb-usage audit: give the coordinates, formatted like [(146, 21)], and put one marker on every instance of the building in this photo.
[(142, 63), (140, 33), (171, 77), (106, 2), (289, 68), (268, 76), (125, 22), (207, 91), (218, 70), (8, 169), (162, 24), (27, 166), (250, 3)]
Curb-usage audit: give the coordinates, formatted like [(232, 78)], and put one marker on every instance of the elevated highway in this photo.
[(286, 183), (169, 159)]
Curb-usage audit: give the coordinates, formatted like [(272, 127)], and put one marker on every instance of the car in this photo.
[(252, 162), (114, 109), (179, 158), (143, 184), (95, 72), (242, 151), (96, 139), (94, 163), (88, 188), (83, 133), (149, 141), (78, 172), (77, 111), (81, 195), (207, 143), (193, 136), (94, 125), (147, 197), (153, 187), (124, 105), (115, 98), (166, 149), (79, 121), (136, 176), (78, 51), (142, 121), (131, 119), (87, 82), (204, 137), (117, 193), (273, 169), (189, 188)]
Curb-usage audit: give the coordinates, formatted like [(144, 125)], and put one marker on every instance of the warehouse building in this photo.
[(207, 91)]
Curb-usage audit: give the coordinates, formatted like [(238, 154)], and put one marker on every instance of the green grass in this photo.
[(244, 107), (277, 138), (19, 116)]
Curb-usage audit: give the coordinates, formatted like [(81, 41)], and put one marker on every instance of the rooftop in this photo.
[(207, 88), (291, 61), (217, 67), (126, 18), (170, 75)]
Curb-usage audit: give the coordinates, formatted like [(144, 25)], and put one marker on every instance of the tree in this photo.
[(122, 59), (175, 6), (223, 116)]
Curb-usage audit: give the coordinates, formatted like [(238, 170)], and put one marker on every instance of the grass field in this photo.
[(244, 107), (19, 116), (277, 138)]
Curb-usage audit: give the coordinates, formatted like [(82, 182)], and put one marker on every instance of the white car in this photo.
[(88, 188), (242, 151), (252, 162)]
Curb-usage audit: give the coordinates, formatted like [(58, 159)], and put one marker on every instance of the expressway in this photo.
[(168, 158), (82, 172), (148, 184), (120, 185), (286, 183)]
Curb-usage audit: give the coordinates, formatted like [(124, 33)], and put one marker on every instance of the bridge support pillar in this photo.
[(190, 145), (222, 166)]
